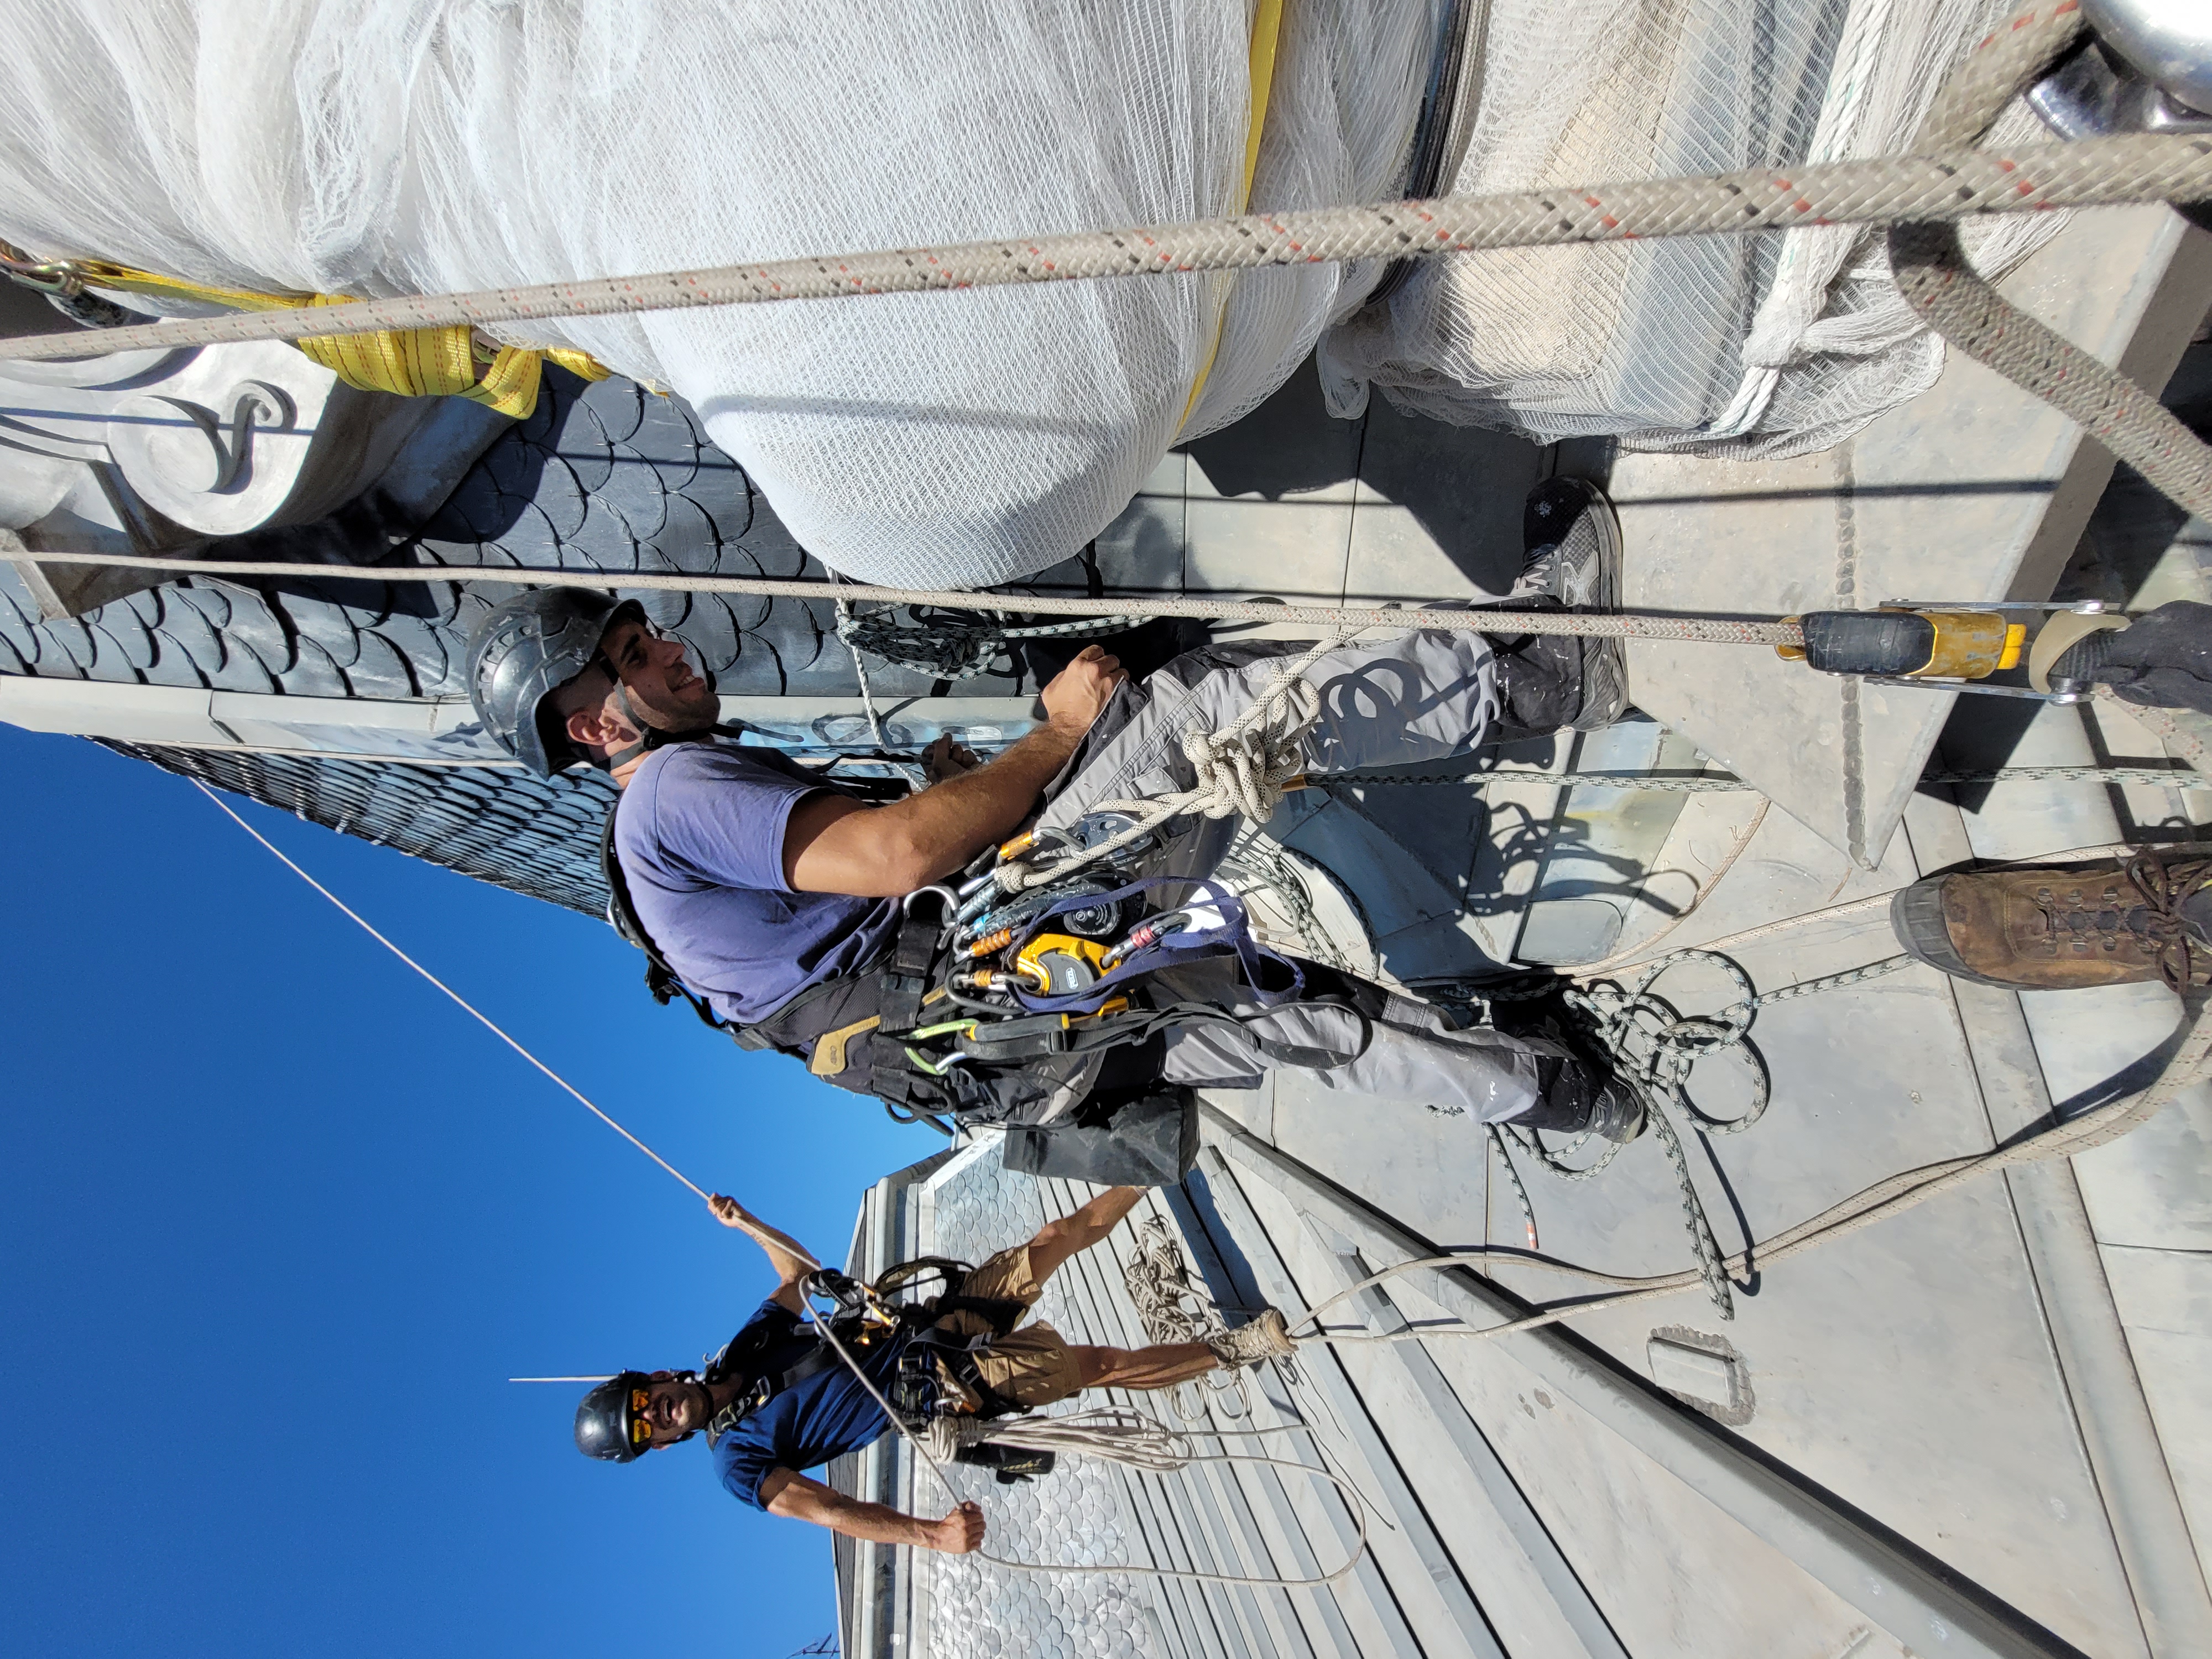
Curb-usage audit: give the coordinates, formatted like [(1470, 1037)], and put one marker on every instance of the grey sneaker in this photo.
[(1572, 543), (1267, 1336)]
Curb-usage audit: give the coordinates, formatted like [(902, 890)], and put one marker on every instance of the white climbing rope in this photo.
[(1346, 619), (459, 1001), (1954, 182), (1242, 769)]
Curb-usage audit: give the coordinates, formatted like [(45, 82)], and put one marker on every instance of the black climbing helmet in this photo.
[(604, 1417), (527, 648)]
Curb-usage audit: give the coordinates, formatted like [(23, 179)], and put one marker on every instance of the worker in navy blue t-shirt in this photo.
[(776, 1401)]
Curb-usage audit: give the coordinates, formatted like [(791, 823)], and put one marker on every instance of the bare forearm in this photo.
[(833, 845), (946, 825), (790, 1259), (785, 1254), (874, 1523), (798, 1499)]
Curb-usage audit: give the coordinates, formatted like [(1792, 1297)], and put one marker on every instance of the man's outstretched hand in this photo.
[(960, 1532), (947, 759), (727, 1210), (1080, 692)]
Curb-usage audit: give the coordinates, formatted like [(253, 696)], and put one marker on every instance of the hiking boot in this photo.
[(2061, 927), (1578, 1091), (1572, 560), (1265, 1336), (1578, 1100)]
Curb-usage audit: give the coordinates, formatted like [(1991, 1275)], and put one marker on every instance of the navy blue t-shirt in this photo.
[(700, 836), (824, 1416)]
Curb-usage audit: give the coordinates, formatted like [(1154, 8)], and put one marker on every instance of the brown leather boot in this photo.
[(2060, 927)]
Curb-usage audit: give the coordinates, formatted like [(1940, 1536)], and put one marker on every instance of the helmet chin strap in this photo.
[(653, 737)]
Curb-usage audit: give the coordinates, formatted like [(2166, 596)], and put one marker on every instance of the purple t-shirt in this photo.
[(700, 836)]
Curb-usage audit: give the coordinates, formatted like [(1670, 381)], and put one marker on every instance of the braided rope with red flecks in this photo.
[(1953, 183), (1932, 273)]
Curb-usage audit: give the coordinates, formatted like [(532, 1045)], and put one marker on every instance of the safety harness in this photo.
[(1010, 1010), (866, 1316), (821, 1024)]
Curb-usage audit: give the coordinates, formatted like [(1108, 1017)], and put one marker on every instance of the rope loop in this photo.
[(1243, 768)]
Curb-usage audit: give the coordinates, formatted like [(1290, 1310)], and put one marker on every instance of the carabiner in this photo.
[(949, 899)]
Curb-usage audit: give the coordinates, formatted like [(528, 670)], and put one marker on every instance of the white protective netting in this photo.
[(379, 147), (1768, 345), (375, 147)]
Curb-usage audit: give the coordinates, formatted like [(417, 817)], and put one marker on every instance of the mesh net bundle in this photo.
[(1750, 347), (385, 146)]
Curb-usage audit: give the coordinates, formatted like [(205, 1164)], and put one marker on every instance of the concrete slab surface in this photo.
[(1974, 491)]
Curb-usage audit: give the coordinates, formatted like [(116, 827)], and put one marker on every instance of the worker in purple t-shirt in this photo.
[(758, 883)]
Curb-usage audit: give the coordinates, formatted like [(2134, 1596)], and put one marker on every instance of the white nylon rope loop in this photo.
[(1242, 768), (1954, 182)]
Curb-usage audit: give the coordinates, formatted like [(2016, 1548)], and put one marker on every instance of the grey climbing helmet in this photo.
[(610, 1423), (524, 650)]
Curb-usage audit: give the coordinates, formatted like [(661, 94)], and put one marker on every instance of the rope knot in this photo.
[(946, 1437), (1239, 770), (1245, 771)]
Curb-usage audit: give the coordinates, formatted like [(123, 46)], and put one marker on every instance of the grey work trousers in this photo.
[(1417, 696)]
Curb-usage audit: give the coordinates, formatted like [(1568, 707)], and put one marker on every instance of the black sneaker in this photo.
[(1571, 551)]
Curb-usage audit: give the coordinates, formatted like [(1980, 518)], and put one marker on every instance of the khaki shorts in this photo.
[(1030, 1365)]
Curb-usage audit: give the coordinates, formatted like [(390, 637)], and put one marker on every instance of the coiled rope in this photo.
[(1172, 1310), (1653, 1048)]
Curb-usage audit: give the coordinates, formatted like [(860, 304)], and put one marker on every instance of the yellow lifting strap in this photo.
[(418, 363), (1266, 33)]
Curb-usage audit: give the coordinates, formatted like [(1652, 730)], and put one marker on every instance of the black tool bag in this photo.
[(1115, 1137)]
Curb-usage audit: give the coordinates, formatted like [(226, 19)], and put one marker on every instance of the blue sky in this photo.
[(278, 1220)]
